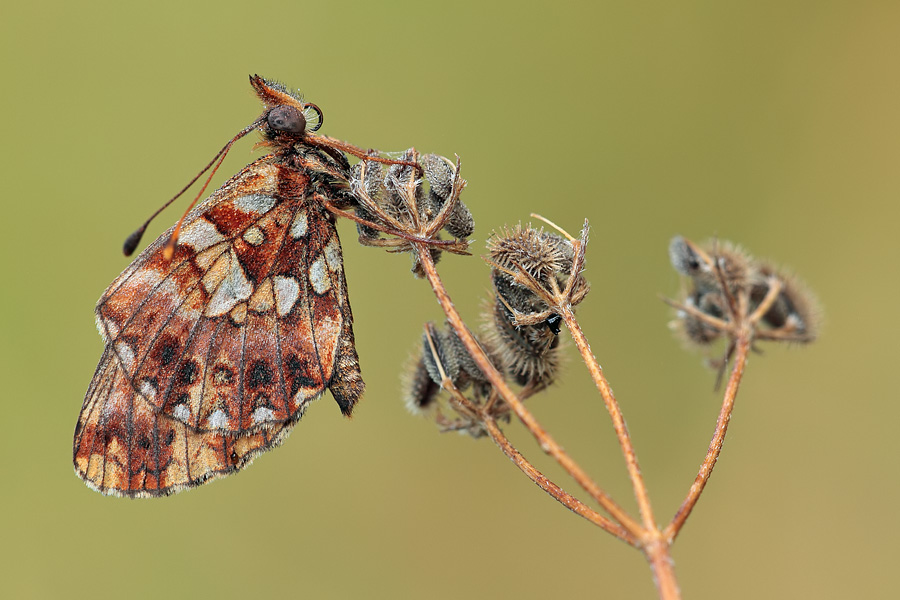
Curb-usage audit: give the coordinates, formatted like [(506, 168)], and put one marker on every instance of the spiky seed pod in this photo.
[(439, 174), (795, 310), (421, 389), (467, 364), (543, 255), (516, 296), (694, 329), (721, 266), (441, 358), (403, 186), (527, 354), (371, 185), (705, 265)]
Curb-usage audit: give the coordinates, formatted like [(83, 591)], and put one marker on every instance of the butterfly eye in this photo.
[(287, 119)]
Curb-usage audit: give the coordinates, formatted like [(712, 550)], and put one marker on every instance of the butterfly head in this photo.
[(287, 115)]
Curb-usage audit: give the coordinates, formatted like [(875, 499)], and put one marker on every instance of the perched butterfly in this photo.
[(223, 330)]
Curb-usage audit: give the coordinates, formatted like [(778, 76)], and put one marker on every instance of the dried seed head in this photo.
[(728, 287), (445, 364), (421, 390), (440, 174), (541, 254), (696, 330), (795, 311), (706, 265), (517, 297), (441, 359), (407, 206), (528, 354), (467, 364)]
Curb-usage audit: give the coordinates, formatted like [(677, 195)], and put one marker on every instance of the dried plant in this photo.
[(464, 381)]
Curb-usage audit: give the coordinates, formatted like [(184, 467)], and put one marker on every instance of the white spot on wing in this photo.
[(217, 420), (255, 203), (287, 290), (234, 288), (200, 235), (126, 355), (148, 389), (262, 414), (299, 226), (333, 254), (181, 412), (107, 328), (318, 276), (254, 236)]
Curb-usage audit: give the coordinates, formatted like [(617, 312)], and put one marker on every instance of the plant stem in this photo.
[(615, 413), (657, 554), (654, 544), (551, 488), (547, 443), (715, 445)]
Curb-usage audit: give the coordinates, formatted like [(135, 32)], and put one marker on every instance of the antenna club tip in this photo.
[(132, 241)]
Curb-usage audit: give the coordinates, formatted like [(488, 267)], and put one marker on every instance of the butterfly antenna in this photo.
[(132, 241)]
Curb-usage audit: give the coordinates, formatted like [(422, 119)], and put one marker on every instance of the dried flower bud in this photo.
[(541, 254), (441, 358), (517, 297), (439, 173), (795, 310), (421, 389), (396, 200), (528, 353), (729, 286), (704, 268)]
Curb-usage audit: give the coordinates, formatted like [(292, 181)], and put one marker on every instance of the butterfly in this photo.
[(223, 330)]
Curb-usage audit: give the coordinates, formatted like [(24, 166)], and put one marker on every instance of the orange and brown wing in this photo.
[(248, 321), (124, 448)]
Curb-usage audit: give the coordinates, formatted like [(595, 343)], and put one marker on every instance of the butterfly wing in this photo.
[(223, 345), (124, 448)]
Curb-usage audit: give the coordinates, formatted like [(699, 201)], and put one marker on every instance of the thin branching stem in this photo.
[(655, 546), (743, 344), (547, 443), (563, 497), (615, 413)]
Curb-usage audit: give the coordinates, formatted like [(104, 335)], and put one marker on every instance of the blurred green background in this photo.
[(773, 124)]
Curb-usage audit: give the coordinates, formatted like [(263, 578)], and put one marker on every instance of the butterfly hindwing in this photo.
[(123, 447)]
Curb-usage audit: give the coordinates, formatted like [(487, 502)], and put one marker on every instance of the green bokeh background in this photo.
[(774, 124)]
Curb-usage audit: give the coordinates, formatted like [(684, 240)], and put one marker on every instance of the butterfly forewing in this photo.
[(214, 352), (241, 327)]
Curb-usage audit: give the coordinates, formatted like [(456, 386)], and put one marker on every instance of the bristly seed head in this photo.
[(536, 276), (728, 288), (402, 203), (541, 254)]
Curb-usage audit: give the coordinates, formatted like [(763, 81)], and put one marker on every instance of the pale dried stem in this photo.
[(743, 344), (547, 443), (775, 286), (615, 413), (655, 546), (657, 554), (483, 415), (563, 497)]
